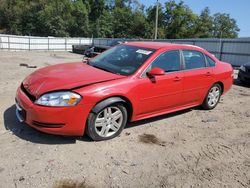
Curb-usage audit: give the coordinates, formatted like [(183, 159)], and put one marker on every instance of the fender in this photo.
[(106, 103)]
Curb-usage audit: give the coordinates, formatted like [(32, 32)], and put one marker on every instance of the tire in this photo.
[(243, 82), (101, 128), (212, 97)]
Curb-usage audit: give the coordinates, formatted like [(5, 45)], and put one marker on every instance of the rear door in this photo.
[(198, 76)]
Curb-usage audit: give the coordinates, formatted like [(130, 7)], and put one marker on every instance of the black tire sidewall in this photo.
[(92, 118), (205, 104)]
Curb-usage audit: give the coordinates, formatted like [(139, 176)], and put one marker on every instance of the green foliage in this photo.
[(224, 26), (150, 12), (122, 23), (140, 27), (53, 16), (79, 22), (105, 25), (204, 24), (111, 18), (179, 20)]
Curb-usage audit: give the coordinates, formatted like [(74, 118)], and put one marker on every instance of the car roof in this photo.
[(159, 45)]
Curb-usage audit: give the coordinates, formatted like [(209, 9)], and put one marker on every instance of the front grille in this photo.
[(48, 125), (31, 97)]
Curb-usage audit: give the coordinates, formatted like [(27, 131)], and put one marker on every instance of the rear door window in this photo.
[(193, 59)]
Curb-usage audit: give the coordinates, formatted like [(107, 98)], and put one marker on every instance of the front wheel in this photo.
[(107, 123), (213, 97)]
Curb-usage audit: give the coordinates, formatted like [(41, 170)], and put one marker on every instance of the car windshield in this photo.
[(122, 59)]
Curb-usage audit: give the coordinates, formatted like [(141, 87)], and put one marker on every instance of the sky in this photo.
[(238, 9)]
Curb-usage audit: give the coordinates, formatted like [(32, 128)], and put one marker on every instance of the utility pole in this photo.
[(156, 18)]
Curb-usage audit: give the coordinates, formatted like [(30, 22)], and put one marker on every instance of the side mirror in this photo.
[(156, 71)]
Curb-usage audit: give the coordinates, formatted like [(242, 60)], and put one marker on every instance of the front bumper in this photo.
[(54, 120), (20, 113), (244, 76)]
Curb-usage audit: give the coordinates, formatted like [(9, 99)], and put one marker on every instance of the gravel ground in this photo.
[(191, 148)]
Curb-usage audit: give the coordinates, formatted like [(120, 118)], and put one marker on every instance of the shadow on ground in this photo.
[(158, 118), (30, 134)]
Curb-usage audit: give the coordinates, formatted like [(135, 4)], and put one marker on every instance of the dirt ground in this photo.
[(191, 148)]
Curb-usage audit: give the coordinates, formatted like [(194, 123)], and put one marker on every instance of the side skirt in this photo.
[(162, 112)]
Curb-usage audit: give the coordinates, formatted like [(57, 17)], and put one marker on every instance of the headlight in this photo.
[(243, 68), (62, 98)]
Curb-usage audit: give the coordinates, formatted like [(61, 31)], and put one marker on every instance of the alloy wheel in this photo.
[(108, 121), (213, 96)]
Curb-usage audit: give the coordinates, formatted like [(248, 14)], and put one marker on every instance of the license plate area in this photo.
[(20, 113)]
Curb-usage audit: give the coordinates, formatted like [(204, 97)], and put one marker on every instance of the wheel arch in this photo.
[(221, 85), (112, 100)]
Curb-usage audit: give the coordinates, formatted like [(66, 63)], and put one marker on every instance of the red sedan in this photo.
[(129, 82)]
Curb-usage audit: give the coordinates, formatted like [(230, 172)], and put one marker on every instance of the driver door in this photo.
[(161, 93)]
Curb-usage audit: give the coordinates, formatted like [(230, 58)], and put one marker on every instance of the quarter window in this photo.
[(210, 61), (194, 59), (168, 61)]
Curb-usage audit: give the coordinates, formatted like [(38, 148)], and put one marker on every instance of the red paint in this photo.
[(156, 72), (65, 76), (149, 96)]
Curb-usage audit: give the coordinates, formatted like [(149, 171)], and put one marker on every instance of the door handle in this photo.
[(208, 74), (177, 78)]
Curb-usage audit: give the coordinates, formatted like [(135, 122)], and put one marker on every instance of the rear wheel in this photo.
[(213, 97), (107, 123)]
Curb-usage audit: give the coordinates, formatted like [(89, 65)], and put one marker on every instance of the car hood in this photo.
[(65, 77)]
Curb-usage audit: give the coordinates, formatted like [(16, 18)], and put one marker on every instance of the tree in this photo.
[(120, 3), (110, 18), (96, 9), (104, 25), (29, 22), (79, 24), (224, 26), (54, 18), (10, 19), (140, 26), (204, 26), (179, 20), (150, 12), (122, 23)]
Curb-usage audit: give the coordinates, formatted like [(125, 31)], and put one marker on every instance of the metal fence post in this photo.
[(221, 50), (65, 44), (29, 43), (48, 43), (9, 43)]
